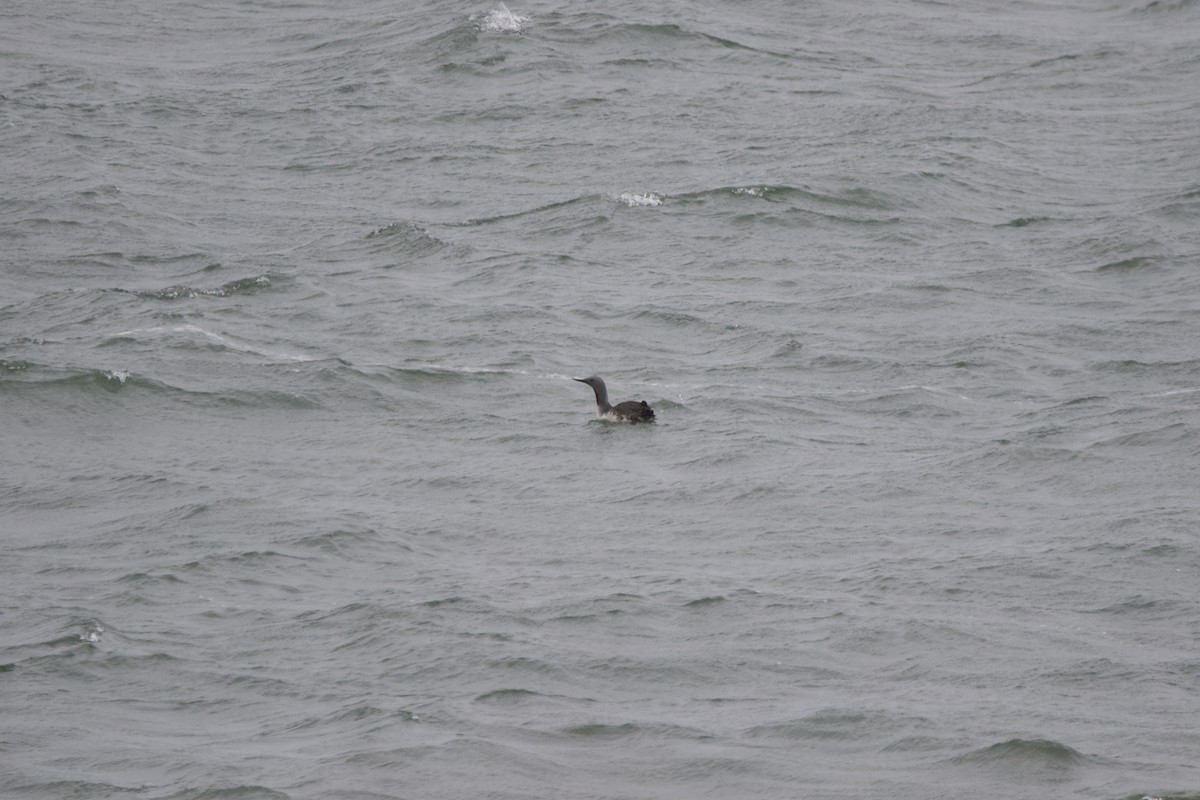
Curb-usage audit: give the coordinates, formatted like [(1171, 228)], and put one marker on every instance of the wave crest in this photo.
[(640, 199), (501, 20)]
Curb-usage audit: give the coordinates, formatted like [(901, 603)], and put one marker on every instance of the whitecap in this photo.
[(640, 200), (501, 20), (118, 375)]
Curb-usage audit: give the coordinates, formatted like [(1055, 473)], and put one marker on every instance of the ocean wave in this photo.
[(1018, 755), (83, 788), (640, 199), (546, 208), (920, 402), (789, 205), (661, 38), (1187, 368), (1129, 264), (855, 205), (308, 385), (508, 697), (833, 724), (1024, 222), (28, 373), (1167, 6), (191, 332), (345, 542), (501, 20), (353, 717), (49, 382), (241, 286), (855, 197), (55, 641), (405, 239), (1155, 438)]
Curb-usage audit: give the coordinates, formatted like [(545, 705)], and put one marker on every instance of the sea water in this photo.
[(298, 500)]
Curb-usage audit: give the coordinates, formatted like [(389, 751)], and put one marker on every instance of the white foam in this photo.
[(224, 341), (501, 20), (463, 370), (187, 292), (640, 200), (1192, 390)]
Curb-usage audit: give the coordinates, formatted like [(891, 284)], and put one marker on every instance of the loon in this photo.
[(629, 411)]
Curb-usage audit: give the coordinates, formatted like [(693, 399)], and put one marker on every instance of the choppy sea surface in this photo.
[(298, 500)]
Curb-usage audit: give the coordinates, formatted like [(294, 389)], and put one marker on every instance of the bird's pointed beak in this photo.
[(581, 380)]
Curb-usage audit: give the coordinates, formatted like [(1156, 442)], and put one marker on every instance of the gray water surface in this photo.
[(298, 500)]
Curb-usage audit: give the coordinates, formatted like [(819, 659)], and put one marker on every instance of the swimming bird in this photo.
[(629, 411)]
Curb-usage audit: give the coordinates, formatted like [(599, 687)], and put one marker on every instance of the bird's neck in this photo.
[(601, 398)]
